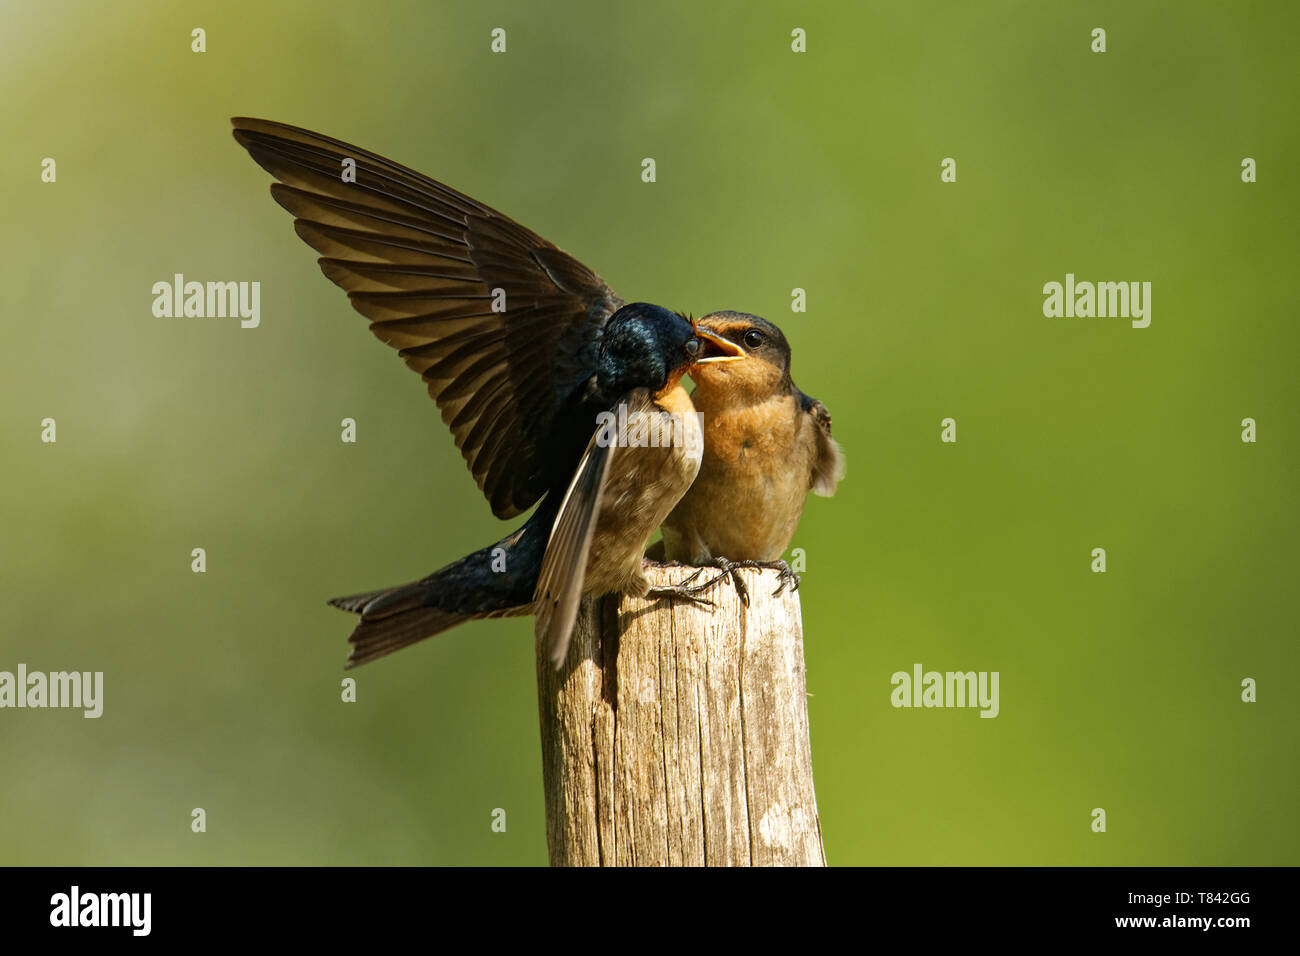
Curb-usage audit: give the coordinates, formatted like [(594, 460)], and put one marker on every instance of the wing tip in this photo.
[(556, 643), (830, 471)]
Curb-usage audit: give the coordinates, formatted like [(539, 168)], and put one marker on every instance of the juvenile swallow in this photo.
[(525, 351), (766, 445)]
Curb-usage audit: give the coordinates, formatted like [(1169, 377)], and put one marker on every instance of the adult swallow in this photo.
[(526, 352), (766, 446)]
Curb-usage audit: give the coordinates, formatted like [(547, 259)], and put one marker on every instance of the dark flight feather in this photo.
[(421, 261)]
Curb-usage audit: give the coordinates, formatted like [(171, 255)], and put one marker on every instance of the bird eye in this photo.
[(692, 347), (753, 339)]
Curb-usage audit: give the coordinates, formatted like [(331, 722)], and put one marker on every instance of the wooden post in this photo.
[(676, 736)]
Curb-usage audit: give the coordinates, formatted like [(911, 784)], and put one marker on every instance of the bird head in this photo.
[(761, 356), (648, 346)]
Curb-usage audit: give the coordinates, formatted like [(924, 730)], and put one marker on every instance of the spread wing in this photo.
[(422, 261), (828, 460)]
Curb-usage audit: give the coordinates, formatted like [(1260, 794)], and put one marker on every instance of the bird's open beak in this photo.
[(717, 349)]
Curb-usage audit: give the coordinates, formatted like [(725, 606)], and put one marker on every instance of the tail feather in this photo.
[(384, 602), (375, 638), (393, 618), (470, 588)]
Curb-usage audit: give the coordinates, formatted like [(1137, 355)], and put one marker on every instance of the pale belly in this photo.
[(758, 531), (643, 486)]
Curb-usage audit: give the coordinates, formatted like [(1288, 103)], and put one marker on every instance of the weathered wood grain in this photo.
[(676, 736)]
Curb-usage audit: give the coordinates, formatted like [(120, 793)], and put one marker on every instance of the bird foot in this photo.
[(728, 569), (788, 579), (683, 592), (786, 575)]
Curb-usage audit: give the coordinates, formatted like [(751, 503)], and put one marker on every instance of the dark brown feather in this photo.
[(421, 261)]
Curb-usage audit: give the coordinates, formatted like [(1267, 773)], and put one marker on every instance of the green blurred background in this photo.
[(775, 171)]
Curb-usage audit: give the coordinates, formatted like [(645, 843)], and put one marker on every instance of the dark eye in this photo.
[(754, 339), (692, 347)]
